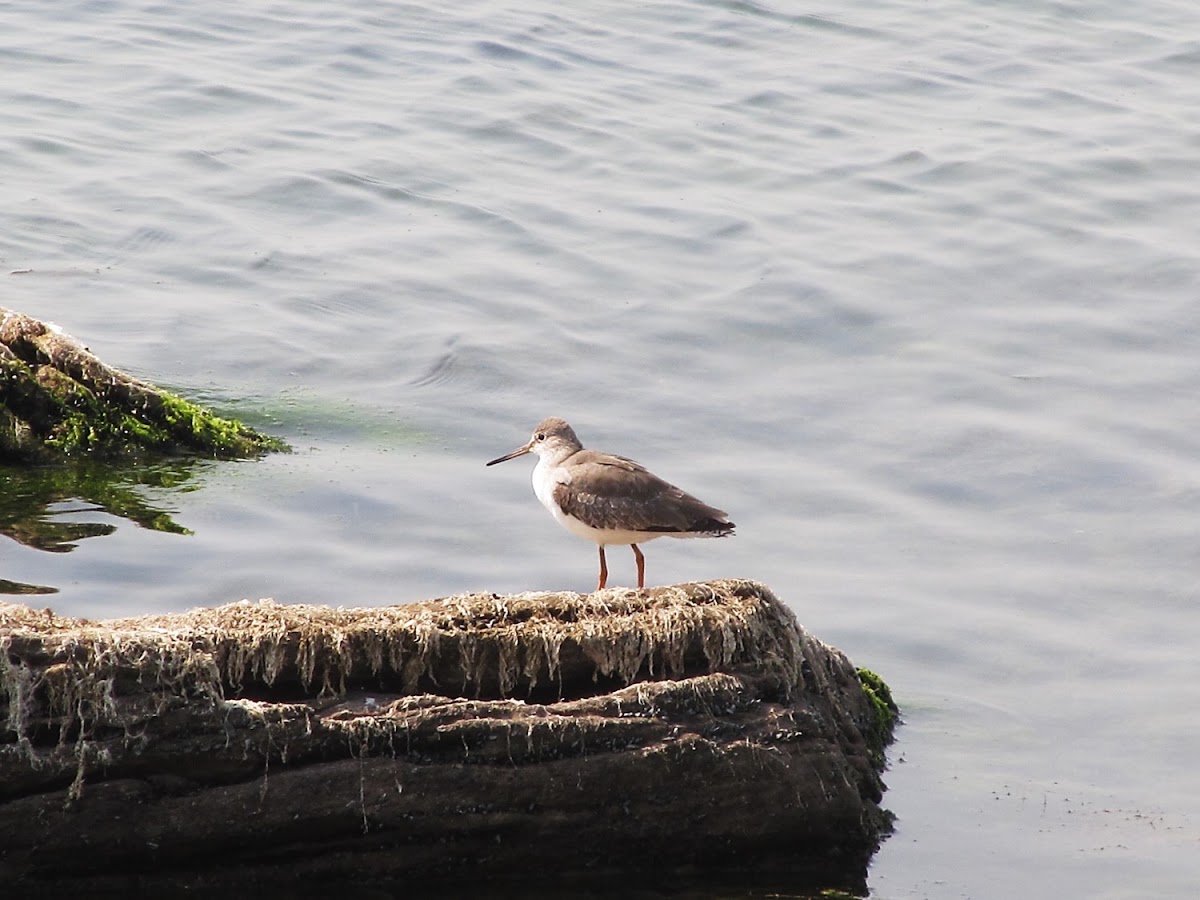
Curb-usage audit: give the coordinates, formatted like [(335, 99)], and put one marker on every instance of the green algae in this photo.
[(887, 714), (88, 426)]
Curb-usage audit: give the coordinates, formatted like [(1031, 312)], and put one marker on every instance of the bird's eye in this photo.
[(539, 437)]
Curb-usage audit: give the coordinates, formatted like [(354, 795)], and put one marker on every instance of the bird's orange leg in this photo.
[(641, 561), (603, 570)]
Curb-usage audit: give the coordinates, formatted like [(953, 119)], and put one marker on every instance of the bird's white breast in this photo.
[(544, 482)]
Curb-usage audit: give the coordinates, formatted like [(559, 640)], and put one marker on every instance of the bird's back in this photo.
[(616, 493)]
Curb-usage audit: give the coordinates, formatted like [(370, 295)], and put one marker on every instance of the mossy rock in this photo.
[(58, 401), (887, 713)]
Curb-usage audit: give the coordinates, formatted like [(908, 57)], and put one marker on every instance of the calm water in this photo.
[(909, 289)]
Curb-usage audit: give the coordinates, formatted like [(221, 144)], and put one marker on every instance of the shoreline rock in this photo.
[(58, 401), (693, 728)]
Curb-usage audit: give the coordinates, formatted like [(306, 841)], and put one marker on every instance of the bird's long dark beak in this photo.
[(520, 451)]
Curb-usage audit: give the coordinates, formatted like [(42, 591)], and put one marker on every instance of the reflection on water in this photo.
[(41, 507), (16, 587)]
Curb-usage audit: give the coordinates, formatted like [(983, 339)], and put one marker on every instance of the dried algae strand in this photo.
[(70, 684), (468, 645), (475, 646)]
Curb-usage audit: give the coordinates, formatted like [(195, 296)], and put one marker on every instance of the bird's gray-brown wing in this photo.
[(612, 492)]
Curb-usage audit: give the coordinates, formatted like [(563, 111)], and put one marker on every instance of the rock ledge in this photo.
[(694, 728)]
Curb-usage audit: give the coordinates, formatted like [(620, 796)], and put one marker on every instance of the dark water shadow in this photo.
[(18, 589), (40, 506)]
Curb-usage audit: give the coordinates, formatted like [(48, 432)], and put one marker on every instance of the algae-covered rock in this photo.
[(59, 401), (694, 728)]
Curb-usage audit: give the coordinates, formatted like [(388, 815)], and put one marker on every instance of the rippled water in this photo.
[(909, 289)]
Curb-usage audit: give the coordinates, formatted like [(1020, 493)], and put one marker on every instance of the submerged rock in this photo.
[(686, 729), (58, 401)]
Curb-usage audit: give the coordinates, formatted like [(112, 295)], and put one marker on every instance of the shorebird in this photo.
[(610, 499)]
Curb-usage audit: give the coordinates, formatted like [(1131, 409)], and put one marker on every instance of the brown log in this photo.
[(686, 729)]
